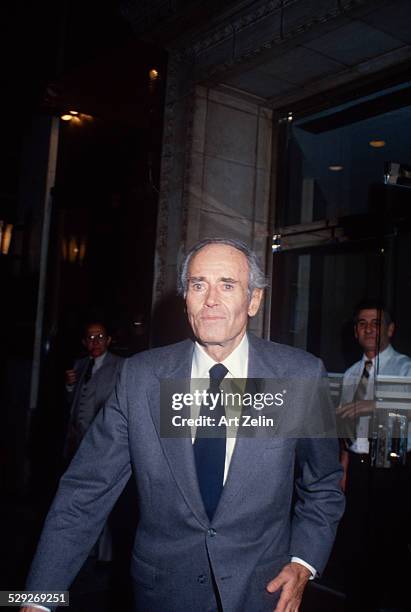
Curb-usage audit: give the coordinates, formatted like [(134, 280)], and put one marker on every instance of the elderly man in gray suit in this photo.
[(235, 523)]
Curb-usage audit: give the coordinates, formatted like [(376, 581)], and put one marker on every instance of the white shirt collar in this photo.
[(236, 362), (98, 361), (381, 358)]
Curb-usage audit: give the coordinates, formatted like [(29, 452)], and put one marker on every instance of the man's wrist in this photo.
[(309, 567)]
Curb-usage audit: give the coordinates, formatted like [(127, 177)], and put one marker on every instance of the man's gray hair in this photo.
[(256, 276)]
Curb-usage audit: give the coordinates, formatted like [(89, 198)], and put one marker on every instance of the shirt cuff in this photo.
[(307, 565)]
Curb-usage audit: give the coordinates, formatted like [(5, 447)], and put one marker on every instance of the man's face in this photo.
[(217, 301), (96, 340), (372, 332)]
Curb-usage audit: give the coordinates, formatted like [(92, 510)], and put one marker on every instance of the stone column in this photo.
[(227, 183), (216, 176)]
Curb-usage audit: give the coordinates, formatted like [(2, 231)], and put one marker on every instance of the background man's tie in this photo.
[(360, 394), (361, 390), (209, 447), (89, 371)]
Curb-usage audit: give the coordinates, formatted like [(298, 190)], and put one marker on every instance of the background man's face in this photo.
[(217, 300), (96, 340), (371, 330)]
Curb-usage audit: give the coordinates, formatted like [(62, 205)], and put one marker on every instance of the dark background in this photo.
[(56, 57)]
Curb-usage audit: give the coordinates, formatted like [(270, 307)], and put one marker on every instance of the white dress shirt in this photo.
[(237, 366), (98, 362), (386, 363)]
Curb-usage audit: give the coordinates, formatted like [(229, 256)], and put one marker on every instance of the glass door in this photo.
[(342, 239)]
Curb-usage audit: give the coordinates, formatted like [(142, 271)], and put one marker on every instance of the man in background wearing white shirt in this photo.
[(374, 528)]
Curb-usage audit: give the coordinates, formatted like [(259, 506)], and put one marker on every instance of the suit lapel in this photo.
[(248, 451), (179, 451), (80, 367)]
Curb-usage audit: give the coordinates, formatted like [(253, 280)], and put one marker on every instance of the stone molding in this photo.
[(278, 23), (172, 206), (275, 23)]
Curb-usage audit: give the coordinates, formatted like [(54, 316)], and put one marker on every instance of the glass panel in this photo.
[(334, 157), (319, 288)]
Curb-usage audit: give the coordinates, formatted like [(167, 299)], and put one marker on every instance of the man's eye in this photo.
[(196, 286), (228, 286)]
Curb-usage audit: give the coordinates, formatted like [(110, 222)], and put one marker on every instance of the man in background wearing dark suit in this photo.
[(90, 383)]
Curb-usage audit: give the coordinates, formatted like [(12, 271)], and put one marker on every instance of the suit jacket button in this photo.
[(202, 579), (211, 532)]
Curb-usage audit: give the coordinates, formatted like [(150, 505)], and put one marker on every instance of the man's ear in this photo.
[(84, 343), (391, 330), (255, 302), (355, 331), (108, 342)]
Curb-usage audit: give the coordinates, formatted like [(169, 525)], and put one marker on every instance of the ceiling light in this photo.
[(377, 144), (335, 168), (76, 117)]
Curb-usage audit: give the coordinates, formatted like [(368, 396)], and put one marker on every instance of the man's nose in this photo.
[(211, 297)]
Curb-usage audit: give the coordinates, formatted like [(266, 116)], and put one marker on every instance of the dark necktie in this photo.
[(209, 447), (361, 390), (360, 394), (89, 371)]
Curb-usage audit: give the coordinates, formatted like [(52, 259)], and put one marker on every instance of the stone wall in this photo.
[(216, 176), (227, 183)]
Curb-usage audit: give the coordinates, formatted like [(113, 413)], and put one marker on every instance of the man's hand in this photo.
[(355, 409), (71, 377), (292, 579)]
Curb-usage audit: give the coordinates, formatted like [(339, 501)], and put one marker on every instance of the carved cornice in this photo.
[(260, 11), (227, 31), (279, 22)]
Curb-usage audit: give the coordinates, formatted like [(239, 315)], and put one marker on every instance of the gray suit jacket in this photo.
[(265, 515)]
